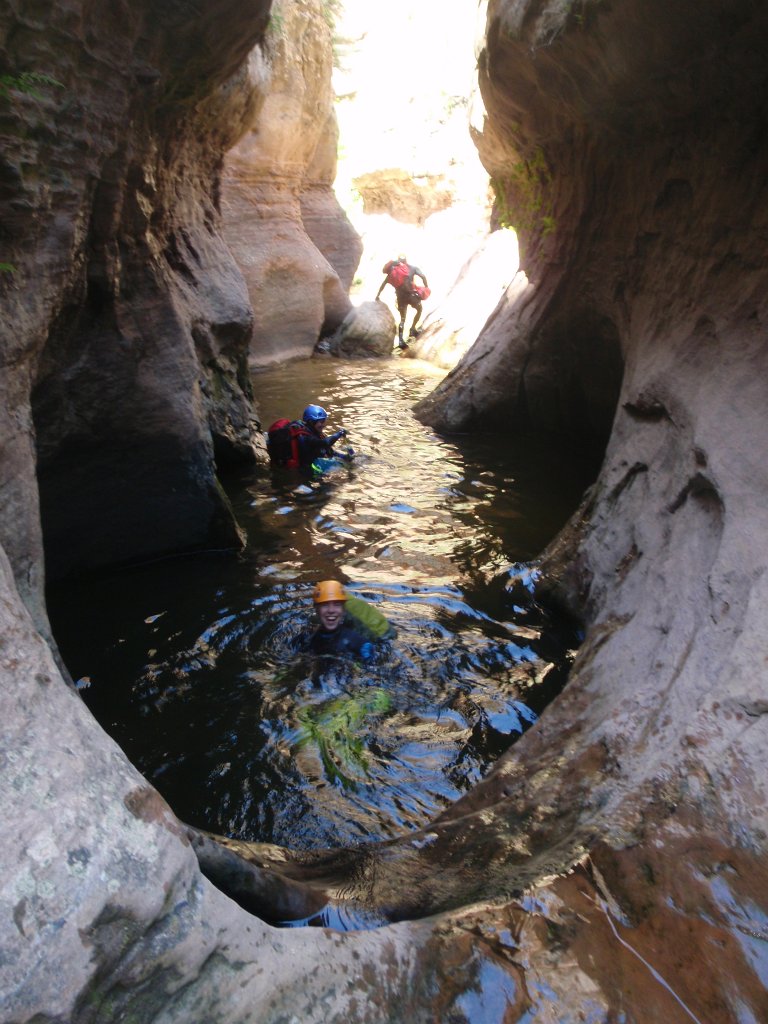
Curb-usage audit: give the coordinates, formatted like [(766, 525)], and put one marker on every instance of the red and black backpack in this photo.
[(397, 273), (283, 442)]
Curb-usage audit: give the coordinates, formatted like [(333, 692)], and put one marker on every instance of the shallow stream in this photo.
[(190, 662)]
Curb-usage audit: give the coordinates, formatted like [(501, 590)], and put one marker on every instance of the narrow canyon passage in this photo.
[(191, 664), (486, 844)]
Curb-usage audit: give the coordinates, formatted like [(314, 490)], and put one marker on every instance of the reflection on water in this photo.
[(193, 662)]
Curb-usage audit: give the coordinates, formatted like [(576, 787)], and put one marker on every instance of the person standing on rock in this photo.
[(400, 274)]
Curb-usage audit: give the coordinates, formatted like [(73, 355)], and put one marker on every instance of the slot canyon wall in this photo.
[(126, 320), (291, 239), (629, 142), (631, 136)]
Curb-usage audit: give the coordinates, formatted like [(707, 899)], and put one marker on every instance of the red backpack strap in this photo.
[(297, 429)]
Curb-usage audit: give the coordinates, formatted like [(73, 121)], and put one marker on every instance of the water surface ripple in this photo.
[(190, 663)]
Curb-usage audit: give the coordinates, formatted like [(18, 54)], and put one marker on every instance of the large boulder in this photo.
[(368, 332)]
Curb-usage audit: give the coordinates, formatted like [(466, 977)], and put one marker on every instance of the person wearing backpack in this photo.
[(400, 274), (296, 444)]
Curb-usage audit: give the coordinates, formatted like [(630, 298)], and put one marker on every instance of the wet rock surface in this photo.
[(643, 293)]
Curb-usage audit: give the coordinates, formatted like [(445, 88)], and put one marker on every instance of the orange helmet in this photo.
[(328, 590)]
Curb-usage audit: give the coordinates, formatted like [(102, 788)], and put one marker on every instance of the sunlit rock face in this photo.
[(408, 172), (292, 241), (453, 325), (126, 320)]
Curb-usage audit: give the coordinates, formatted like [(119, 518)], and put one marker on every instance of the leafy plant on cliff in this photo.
[(276, 26), (522, 198), (331, 11), (27, 82)]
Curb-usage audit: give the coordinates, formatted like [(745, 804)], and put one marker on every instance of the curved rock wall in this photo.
[(293, 242), (126, 319), (627, 140)]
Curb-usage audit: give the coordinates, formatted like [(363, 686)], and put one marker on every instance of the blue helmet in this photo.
[(313, 413)]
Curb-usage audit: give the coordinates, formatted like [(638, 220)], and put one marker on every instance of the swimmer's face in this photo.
[(330, 614)]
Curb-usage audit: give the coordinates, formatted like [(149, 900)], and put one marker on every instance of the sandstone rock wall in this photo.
[(292, 241), (627, 142), (126, 320)]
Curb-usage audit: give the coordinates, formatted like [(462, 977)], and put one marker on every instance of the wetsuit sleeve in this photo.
[(311, 447), (360, 644)]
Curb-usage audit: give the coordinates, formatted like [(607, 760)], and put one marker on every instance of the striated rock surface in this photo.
[(618, 137), (126, 320), (291, 239), (323, 218)]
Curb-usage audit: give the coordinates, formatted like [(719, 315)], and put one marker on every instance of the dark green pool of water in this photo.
[(190, 660)]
